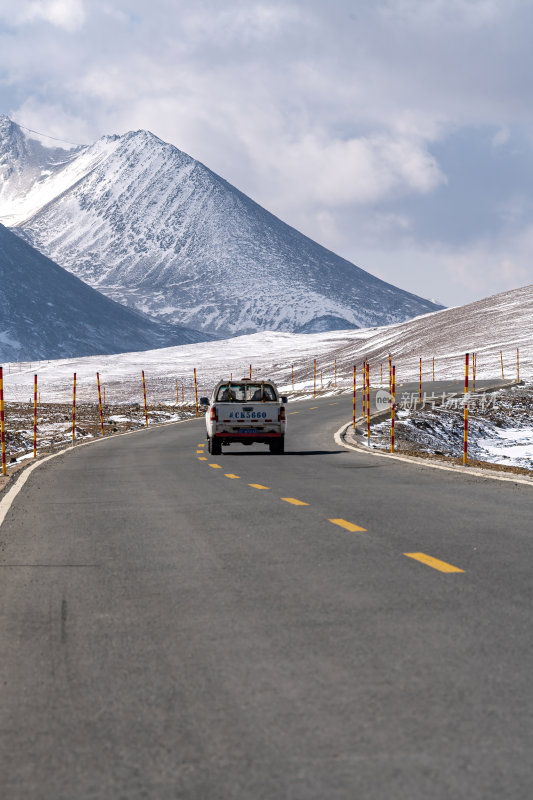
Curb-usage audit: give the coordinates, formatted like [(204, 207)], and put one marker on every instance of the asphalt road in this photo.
[(176, 625)]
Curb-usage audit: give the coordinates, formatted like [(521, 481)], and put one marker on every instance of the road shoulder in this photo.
[(343, 439)]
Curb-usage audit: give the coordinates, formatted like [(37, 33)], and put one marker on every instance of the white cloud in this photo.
[(333, 116), (242, 23), (501, 137), (333, 172), (53, 120), (66, 14), (455, 13)]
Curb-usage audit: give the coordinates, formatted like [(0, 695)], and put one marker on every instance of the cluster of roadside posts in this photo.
[(101, 393), (365, 390), (317, 375)]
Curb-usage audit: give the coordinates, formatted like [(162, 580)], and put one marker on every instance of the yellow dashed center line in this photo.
[(333, 404), (199, 452), (294, 412), (200, 445), (348, 525), (423, 558), (442, 566), (313, 408)]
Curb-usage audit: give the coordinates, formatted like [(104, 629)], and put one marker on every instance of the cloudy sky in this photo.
[(398, 133)]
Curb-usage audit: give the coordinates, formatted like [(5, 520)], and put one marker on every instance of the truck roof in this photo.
[(246, 380)]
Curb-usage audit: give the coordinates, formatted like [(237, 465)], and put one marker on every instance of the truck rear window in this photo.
[(245, 393)]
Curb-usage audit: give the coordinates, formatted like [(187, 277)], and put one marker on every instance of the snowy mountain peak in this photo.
[(152, 228), (143, 137)]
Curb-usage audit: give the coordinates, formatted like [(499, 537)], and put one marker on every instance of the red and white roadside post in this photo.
[(354, 390), (145, 404), (465, 437), (390, 375), (74, 409), (292, 376), (314, 379), (2, 424), (363, 389), (367, 384), (100, 403), (177, 392), (392, 408), (35, 416), (368, 400), (250, 372), (196, 390), (501, 359), (517, 366)]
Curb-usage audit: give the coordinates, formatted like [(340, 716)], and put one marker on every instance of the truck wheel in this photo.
[(214, 447), (277, 446)]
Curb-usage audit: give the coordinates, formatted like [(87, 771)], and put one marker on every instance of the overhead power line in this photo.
[(46, 136)]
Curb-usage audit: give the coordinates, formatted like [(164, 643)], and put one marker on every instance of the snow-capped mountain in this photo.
[(154, 229), (45, 312)]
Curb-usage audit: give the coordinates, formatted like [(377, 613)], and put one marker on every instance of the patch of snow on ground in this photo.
[(511, 446)]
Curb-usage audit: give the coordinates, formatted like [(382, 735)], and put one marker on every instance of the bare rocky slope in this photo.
[(48, 313)]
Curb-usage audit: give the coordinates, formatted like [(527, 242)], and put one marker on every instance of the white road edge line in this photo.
[(7, 500), (474, 472)]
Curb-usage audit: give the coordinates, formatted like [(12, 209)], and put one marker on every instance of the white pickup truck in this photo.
[(245, 411)]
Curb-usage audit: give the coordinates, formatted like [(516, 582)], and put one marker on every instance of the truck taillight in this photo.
[(281, 415), (213, 416)]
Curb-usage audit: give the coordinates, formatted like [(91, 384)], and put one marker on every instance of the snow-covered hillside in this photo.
[(46, 312), (502, 322), (154, 229)]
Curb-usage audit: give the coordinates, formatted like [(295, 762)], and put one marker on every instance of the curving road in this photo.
[(175, 625)]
